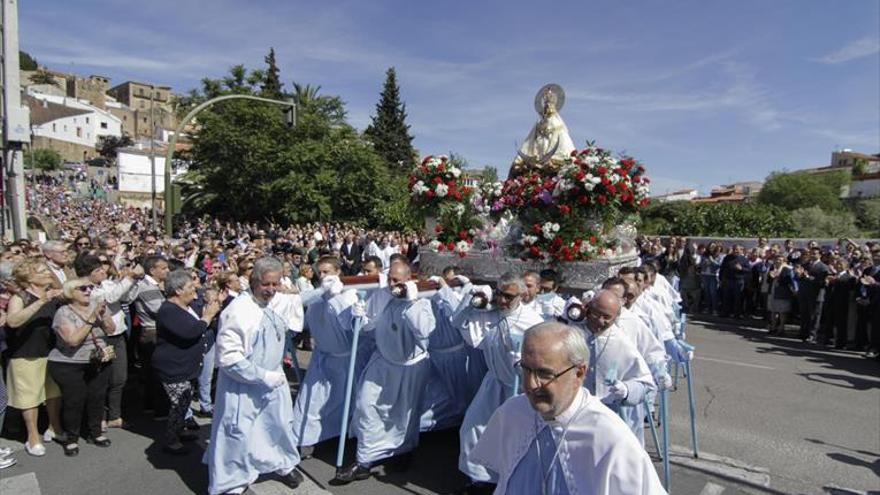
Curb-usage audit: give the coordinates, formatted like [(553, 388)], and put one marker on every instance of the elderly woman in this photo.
[(180, 343), (80, 363), (30, 338)]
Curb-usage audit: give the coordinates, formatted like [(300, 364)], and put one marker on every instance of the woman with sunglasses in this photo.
[(81, 328)]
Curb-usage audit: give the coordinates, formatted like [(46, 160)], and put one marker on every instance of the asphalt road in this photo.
[(773, 416)]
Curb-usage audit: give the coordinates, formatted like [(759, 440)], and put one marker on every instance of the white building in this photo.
[(682, 195), (69, 126)]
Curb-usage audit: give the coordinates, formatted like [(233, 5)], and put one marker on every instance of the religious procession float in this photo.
[(569, 209)]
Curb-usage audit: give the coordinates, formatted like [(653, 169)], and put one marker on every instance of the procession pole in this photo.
[(349, 383)]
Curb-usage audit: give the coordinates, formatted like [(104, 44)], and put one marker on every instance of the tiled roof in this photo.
[(43, 111)]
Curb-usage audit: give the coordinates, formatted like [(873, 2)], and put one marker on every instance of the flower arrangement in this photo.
[(567, 216), (435, 192)]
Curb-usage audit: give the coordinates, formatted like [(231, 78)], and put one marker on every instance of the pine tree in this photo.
[(272, 85), (389, 131)]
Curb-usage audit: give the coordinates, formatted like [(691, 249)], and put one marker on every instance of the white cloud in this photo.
[(863, 47)]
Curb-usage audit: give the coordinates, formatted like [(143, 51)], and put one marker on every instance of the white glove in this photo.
[(462, 280), (436, 280), (618, 391), (664, 381), (359, 309), (332, 284), (274, 379), (690, 355), (588, 295), (485, 290), (412, 291)]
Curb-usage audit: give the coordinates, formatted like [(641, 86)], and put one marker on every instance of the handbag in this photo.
[(101, 354)]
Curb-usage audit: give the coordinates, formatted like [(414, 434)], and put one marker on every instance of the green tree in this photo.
[(868, 215), (272, 85), (489, 173), (26, 61), (247, 164), (795, 190), (723, 219), (42, 159), (108, 145), (814, 222), (389, 131)]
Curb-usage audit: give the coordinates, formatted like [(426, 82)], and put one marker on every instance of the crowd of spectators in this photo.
[(830, 291)]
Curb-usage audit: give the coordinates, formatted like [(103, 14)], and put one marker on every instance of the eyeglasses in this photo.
[(505, 296), (83, 243), (85, 288), (542, 376), (545, 290)]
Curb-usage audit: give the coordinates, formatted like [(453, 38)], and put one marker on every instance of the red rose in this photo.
[(580, 175), (557, 242), (429, 193), (644, 202), (534, 251), (578, 242), (583, 199), (602, 170), (602, 199), (438, 180), (593, 239), (450, 246), (441, 167), (462, 254), (611, 189), (441, 247), (438, 228), (636, 179), (456, 195), (425, 160), (450, 183), (606, 181), (536, 228), (573, 153), (462, 234), (564, 209), (626, 163)]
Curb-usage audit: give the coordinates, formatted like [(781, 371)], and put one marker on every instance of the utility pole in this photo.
[(155, 222), (16, 125)]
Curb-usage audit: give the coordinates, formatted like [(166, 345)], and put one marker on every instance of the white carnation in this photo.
[(441, 190)]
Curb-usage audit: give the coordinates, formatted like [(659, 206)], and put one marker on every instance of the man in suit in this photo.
[(57, 258), (811, 278), (352, 253), (734, 269)]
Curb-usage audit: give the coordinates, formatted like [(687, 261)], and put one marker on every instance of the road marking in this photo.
[(736, 363), (712, 489), (23, 484)]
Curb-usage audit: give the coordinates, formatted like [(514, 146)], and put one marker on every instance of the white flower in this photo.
[(529, 239), (462, 247), (434, 245), (455, 171), (591, 160), (459, 208), (441, 190), (549, 229), (419, 188)]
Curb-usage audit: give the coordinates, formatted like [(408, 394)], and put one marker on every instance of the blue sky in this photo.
[(704, 93)]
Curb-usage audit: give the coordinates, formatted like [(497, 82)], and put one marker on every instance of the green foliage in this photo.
[(490, 174), (813, 222), (108, 145), (248, 165), (396, 212), (721, 219), (42, 159), (867, 213), (795, 190), (389, 131), (26, 61), (271, 84)]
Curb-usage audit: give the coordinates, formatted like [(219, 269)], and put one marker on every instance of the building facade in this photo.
[(71, 127)]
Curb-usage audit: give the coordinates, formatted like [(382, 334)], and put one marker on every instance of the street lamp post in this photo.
[(183, 122)]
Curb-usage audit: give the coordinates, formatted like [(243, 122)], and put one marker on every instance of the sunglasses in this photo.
[(85, 288)]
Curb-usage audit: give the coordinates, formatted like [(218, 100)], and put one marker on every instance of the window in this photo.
[(54, 129), (143, 104), (65, 128), (79, 132), (125, 118), (141, 91), (87, 120), (103, 125)]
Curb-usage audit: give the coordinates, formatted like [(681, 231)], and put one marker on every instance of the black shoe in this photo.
[(401, 463), (477, 488), (188, 436), (353, 472), (306, 452), (71, 450), (99, 441), (191, 425), (292, 479)]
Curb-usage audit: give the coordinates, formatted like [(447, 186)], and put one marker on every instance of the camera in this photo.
[(479, 301), (575, 313), (398, 291)]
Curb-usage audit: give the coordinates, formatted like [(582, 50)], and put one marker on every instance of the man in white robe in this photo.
[(558, 438), (497, 331), (251, 433), (387, 406), (617, 375)]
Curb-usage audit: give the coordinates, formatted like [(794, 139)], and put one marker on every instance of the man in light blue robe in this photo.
[(457, 370), (251, 433), (557, 438), (387, 406), (497, 332), (317, 412)]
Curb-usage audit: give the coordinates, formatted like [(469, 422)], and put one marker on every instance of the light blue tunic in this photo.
[(457, 370), (317, 413), (252, 431), (534, 475), (387, 414), (494, 335)]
